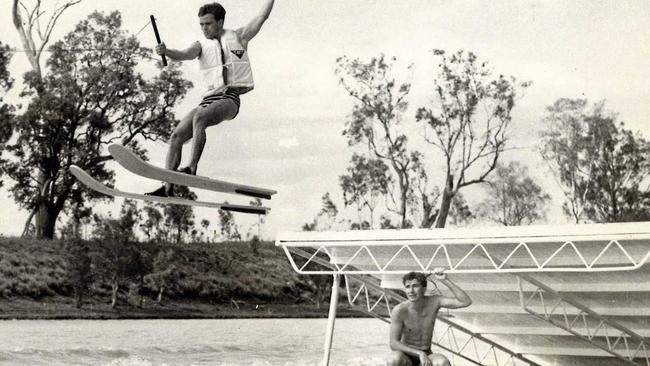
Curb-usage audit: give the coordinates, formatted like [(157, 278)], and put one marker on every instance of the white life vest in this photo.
[(234, 73)]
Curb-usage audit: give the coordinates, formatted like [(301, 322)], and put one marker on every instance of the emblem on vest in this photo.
[(238, 53)]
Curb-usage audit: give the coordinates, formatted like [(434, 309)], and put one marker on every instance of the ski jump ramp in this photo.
[(542, 295)]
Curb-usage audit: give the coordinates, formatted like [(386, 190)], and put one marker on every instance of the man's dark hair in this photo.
[(420, 277), (215, 9)]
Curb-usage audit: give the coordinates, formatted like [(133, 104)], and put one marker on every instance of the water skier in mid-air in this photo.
[(225, 68)]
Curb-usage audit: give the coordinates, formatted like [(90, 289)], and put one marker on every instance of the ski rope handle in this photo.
[(155, 31)]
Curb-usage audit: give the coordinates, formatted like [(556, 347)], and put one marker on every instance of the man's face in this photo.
[(210, 26), (414, 291)]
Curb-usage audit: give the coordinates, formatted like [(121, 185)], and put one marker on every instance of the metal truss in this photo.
[(367, 296), (479, 257), (598, 331)]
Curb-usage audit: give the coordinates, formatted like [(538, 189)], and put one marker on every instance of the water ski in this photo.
[(89, 181), (133, 163)]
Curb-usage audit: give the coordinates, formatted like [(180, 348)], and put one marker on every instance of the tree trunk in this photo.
[(28, 223), (140, 291), (33, 55), (79, 298), (445, 202), (429, 214), (403, 193), (116, 288), (160, 295), (45, 222), (178, 234)]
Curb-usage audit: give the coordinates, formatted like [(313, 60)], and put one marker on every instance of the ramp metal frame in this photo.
[(364, 256), (546, 264), (598, 331), (454, 338)]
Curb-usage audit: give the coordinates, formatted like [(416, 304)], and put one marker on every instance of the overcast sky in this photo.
[(288, 133)]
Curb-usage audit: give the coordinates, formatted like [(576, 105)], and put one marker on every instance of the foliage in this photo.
[(32, 268), (92, 96), (171, 223), (514, 198), (468, 121), (467, 124), (205, 225), (229, 228), (254, 239), (366, 180), (121, 257), (460, 213), (32, 22), (599, 164), (6, 110), (164, 273), (79, 269), (563, 146), (152, 225), (179, 219), (326, 217), (380, 102), (199, 272), (6, 81)]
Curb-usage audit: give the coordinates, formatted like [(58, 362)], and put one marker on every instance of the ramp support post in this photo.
[(331, 318)]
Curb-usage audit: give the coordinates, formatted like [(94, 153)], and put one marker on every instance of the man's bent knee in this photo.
[(178, 138), (439, 360), (200, 121), (397, 358)]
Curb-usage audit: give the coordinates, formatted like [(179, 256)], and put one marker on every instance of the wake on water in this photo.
[(218, 342), (122, 358), (137, 361)]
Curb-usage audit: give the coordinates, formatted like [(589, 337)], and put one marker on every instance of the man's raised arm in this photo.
[(251, 29), (460, 299), (190, 53)]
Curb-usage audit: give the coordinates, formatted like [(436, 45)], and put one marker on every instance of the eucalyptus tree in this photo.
[(35, 30), (468, 121), (513, 197), (92, 95), (6, 109), (228, 226), (365, 182), (602, 167), (467, 124), (375, 123), (119, 253), (326, 217), (179, 219)]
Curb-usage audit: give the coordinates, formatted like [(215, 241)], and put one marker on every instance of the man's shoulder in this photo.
[(401, 307), (198, 44)]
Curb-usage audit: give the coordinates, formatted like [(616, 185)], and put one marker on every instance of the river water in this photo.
[(231, 342)]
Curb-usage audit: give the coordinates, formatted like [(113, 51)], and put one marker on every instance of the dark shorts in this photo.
[(415, 361), (227, 95)]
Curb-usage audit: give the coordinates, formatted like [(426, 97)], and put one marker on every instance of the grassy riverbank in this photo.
[(64, 308), (40, 280)]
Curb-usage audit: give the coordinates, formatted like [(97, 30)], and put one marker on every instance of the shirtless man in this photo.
[(411, 322), (223, 60)]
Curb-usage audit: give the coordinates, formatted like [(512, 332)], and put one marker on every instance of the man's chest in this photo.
[(420, 319)]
